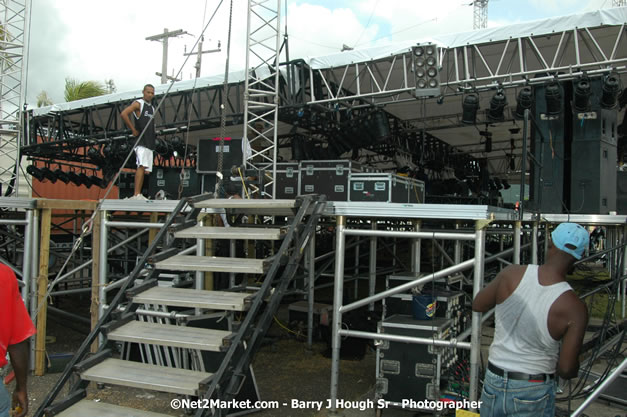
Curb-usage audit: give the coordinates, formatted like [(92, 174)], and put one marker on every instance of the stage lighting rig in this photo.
[(61, 175), (497, 106), (35, 172), (582, 93), (75, 178), (553, 97), (97, 181), (49, 175), (85, 180), (470, 105), (524, 101), (611, 87), (95, 156)]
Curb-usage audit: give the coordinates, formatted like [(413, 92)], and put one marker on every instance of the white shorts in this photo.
[(144, 158)]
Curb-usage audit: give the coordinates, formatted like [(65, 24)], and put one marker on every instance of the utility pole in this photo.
[(199, 53), (163, 38)]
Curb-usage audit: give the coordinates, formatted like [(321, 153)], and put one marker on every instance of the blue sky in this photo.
[(67, 41)]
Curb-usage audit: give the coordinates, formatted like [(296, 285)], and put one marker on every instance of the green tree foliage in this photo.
[(43, 99), (75, 90)]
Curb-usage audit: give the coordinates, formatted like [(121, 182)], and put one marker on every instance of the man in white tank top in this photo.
[(535, 309)]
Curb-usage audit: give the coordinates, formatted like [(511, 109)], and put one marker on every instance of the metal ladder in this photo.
[(164, 341)]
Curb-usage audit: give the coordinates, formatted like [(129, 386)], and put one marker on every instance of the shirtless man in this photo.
[(535, 310)]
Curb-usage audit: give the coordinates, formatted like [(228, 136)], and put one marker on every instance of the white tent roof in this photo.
[(615, 16)]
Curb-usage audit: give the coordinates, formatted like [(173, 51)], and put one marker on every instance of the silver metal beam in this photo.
[(475, 338), (610, 378)]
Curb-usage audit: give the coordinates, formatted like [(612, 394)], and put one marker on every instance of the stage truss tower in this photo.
[(480, 13), (261, 95), (14, 15)]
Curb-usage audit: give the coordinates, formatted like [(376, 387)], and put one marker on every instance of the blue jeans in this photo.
[(5, 401), (509, 397)]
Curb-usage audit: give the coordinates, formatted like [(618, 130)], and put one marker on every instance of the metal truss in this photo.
[(480, 14), (261, 94), (61, 134), (14, 20), (508, 63)]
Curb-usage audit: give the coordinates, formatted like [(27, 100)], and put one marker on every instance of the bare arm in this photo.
[(133, 108), (486, 298), (568, 362), (19, 361)]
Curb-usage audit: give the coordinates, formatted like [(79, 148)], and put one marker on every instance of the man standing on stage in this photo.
[(535, 309), (15, 329), (144, 112)]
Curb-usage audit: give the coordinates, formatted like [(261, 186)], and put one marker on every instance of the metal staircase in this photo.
[(170, 353)]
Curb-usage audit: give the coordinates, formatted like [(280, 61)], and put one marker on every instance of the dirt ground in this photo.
[(284, 369)]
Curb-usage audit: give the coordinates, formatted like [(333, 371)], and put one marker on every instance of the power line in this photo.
[(368, 23)]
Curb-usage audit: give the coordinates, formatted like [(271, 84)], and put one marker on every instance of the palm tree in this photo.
[(43, 99), (75, 90)]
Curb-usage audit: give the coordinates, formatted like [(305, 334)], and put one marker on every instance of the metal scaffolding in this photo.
[(480, 14), (261, 95), (14, 15), (529, 59)]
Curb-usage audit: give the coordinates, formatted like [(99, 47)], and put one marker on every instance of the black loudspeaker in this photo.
[(621, 192), (593, 157), (426, 70), (547, 193), (209, 151), (169, 180)]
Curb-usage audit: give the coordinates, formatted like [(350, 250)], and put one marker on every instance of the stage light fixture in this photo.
[(85, 180), (123, 150), (553, 97), (35, 172), (582, 95), (95, 156), (49, 175), (611, 87), (470, 105), (62, 176), (178, 146), (75, 178), (524, 101), (108, 151), (97, 181), (426, 70), (163, 149), (379, 125), (497, 106)]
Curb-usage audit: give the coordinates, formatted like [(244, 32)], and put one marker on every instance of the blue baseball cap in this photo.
[(573, 235)]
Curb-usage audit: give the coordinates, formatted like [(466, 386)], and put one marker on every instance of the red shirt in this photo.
[(15, 323)]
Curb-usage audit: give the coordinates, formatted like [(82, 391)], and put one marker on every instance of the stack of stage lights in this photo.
[(79, 179)]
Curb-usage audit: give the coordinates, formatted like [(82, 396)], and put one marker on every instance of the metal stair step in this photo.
[(191, 298), (253, 233), (252, 206), (171, 335), (213, 264), (229, 203), (145, 376), (86, 408)]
